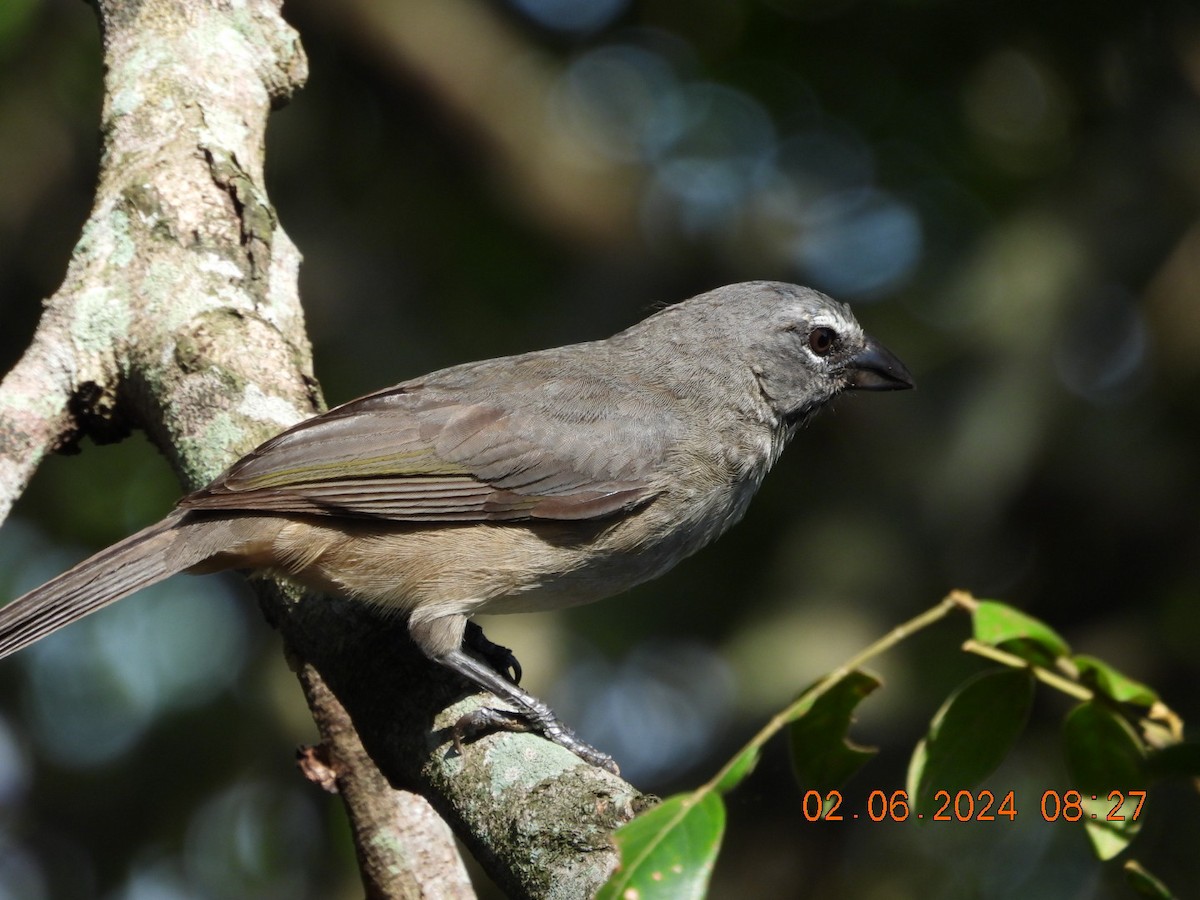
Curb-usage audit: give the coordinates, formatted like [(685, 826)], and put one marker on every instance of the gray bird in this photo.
[(529, 482)]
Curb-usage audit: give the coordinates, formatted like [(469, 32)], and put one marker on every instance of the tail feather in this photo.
[(149, 556)]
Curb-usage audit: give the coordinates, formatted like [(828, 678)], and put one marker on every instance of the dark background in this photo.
[(1008, 195)]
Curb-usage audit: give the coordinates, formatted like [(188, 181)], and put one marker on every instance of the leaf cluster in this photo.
[(1118, 738)]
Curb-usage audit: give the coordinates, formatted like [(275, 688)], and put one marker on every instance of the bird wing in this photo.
[(426, 451)]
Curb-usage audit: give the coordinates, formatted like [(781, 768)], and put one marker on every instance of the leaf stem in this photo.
[(1044, 675), (954, 600)]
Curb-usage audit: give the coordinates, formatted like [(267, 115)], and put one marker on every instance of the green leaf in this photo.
[(823, 757), (739, 767), (668, 852), (1005, 626), (1104, 754), (970, 735), (1111, 683), (1145, 884)]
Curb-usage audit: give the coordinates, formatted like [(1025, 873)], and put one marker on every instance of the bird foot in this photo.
[(485, 719), (500, 658)]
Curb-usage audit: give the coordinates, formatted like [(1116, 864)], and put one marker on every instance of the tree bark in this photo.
[(179, 314)]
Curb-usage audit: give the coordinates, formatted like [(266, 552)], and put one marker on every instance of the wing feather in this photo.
[(443, 449)]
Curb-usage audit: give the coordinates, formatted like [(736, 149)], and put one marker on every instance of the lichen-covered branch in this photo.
[(179, 314)]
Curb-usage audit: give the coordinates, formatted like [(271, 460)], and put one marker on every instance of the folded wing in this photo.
[(445, 451)]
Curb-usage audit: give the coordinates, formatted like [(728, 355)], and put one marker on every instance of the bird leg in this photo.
[(532, 714)]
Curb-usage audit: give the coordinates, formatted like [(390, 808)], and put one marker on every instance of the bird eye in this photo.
[(820, 340)]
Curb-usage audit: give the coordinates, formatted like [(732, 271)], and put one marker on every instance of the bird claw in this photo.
[(501, 659), (485, 719)]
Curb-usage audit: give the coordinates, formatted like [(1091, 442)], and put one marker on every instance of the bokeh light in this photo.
[(574, 16), (94, 689), (656, 709), (718, 169)]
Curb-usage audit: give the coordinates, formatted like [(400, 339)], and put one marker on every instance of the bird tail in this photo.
[(149, 556)]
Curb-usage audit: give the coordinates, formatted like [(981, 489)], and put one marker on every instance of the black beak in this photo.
[(875, 368)]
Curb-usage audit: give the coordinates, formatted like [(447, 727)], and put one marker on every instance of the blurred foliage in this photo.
[(1007, 194)]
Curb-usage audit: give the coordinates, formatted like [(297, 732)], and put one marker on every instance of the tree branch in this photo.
[(179, 314)]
